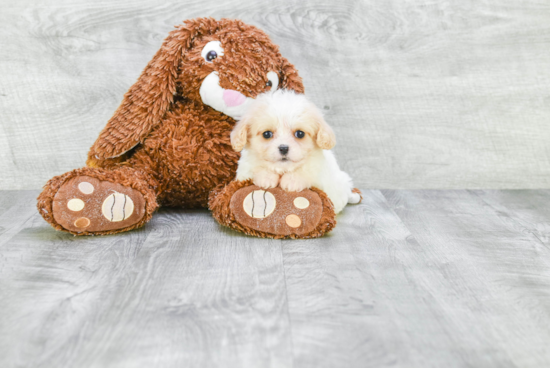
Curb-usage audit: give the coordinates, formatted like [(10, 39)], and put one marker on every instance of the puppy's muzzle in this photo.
[(283, 148)]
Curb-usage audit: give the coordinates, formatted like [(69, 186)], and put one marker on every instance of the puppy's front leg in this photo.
[(293, 182), (265, 179)]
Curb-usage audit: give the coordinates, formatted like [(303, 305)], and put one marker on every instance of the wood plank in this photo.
[(180, 292), (358, 297), (10, 198), (426, 280), (407, 279), (421, 94), (526, 210), (490, 281), (17, 208)]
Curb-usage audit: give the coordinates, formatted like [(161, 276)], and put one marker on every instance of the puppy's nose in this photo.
[(283, 148)]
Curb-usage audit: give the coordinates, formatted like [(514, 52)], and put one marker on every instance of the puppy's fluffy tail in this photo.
[(355, 196)]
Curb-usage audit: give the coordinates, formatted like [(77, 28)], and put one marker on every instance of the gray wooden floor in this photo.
[(407, 279)]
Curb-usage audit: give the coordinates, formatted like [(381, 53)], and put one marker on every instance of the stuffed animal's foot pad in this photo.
[(87, 204), (277, 212)]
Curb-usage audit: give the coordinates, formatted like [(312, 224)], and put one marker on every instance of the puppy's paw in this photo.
[(293, 183), (266, 179)]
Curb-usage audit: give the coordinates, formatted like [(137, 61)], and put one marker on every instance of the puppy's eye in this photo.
[(299, 134), (212, 50), (269, 83), (267, 134)]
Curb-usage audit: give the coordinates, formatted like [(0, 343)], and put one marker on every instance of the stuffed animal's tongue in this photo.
[(233, 98)]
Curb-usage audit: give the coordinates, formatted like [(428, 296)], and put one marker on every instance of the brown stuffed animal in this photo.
[(168, 143)]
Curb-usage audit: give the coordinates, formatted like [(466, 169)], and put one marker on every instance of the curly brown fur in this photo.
[(179, 138), (163, 140), (220, 199), (178, 69)]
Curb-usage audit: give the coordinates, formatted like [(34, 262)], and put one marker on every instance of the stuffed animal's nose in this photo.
[(233, 98), (283, 148)]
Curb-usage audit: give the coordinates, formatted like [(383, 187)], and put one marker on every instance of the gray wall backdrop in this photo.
[(422, 94)]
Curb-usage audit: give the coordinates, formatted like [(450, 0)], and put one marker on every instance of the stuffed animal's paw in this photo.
[(88, 205), (274, 212)]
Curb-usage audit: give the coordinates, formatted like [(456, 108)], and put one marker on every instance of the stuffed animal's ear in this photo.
[(239, 135), (290, 78), (150, 97)]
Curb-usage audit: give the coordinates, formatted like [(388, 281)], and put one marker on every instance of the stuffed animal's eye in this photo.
[(267, 134), (272, 81), (299, 134), (212, 50), (211, 55)]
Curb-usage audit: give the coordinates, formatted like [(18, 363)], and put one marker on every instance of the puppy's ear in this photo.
[(324, 136), (150, 97), (239, 135)]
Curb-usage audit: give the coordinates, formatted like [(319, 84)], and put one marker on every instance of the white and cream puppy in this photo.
[(284, 141)]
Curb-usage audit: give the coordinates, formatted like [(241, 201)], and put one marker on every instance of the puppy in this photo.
[(284, 140)]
